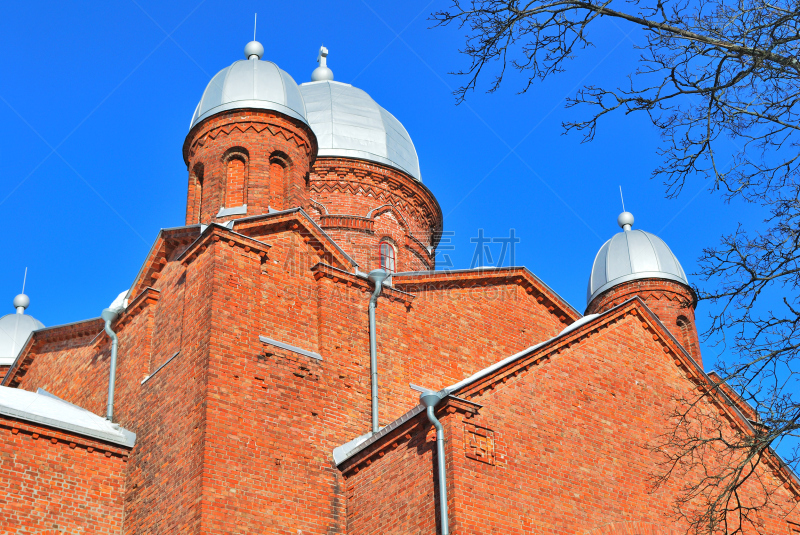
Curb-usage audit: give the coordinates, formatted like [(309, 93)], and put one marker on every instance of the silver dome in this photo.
[(14, 332), (349, 124), (631, 255), (251, 83)]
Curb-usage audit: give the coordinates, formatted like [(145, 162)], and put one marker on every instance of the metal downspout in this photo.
[(377, 276), (430, 400), (108, 316)]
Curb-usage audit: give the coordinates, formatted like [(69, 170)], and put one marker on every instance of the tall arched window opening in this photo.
[(276, 184), (198, 193), (278, 187), (686, 333), (235, 182), (387, 253)]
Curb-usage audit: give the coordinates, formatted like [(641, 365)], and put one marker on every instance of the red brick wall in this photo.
[(399, 492), (55, 482), (671, 301), (572, 440), (565, 447), (232, 422), (258, 138), (168, 411)]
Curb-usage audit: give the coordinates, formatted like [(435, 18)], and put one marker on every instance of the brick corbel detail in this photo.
[(322, 271), (479, 279), (63, 439), (168, 244), (73, 331), (224, 236), (351, 222), (379, 181), (404, 433), (257, 121), (148, 296), (300, 223)]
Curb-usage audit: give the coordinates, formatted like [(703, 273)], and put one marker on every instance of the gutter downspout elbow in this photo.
[(430, 400), (377, 276), (109, 315)]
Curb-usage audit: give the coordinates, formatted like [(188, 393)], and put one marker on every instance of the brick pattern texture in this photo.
[(673, 303), (56, 482), (572, 450), (396, 206)]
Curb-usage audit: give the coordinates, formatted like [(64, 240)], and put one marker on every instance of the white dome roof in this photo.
[(14, 332), (631, 255), (349, 124), (251, 83)]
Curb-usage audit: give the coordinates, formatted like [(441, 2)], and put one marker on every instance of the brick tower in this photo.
[(249, 147), (635, 263), (258, 143)]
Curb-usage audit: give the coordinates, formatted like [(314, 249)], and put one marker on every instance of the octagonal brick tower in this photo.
[(249, 147), (637, 263), (365, 188)]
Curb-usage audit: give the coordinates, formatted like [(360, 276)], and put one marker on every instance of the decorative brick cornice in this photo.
[(217, 234), (632, 309), (169, 243), (60, 333), (479, 278), (148, 296), (352, 222), (248, 119), (297, 221), (735, 398), (62, 439), (382, 182), (321, 271), (637, 311), (646, 289)]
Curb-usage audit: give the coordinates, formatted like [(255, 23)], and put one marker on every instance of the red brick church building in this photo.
[(260, 374)]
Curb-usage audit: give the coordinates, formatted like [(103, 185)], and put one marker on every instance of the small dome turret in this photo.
[(631, 255), (15, 330), (251, 83)]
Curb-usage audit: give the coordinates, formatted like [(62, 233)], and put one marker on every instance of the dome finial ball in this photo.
[(625, 220), (21, 301), (253, 50)]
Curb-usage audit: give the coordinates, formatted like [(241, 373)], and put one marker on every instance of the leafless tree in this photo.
[(719, 79)]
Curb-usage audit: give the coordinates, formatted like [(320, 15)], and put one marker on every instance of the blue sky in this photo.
[(96, 99)]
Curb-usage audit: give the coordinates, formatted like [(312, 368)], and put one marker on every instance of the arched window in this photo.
[(279, 195), (198, 192), (276, 184), (387, 256), (235, 184), (686, 331)]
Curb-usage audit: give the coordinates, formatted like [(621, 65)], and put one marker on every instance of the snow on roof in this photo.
[(42, 407)]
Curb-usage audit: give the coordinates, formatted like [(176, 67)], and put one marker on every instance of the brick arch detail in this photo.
[(255, 138)]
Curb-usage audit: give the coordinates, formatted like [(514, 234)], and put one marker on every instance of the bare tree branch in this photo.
[(720, 81)]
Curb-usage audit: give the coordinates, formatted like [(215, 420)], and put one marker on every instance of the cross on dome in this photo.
[(322, 72)]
